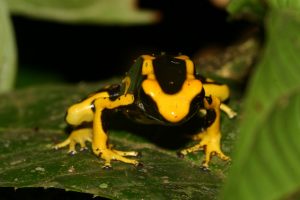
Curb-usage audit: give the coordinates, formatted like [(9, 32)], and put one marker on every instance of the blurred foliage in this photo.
[(267, 154), (252, 9), (104, 12), (7, 50), (111, 12)]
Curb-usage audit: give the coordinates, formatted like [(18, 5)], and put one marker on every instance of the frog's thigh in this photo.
[(222, 92)]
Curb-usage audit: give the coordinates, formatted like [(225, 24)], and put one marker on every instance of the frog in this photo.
[(158, 89)]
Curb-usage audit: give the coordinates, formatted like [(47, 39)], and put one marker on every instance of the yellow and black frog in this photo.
[(160, 89)]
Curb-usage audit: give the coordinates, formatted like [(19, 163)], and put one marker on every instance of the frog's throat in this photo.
[(173, 107)]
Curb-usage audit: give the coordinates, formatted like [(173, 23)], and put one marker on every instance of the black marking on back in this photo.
[(104, 120), (170, 73)]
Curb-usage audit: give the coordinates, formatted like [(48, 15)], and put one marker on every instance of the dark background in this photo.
[(93, 52)]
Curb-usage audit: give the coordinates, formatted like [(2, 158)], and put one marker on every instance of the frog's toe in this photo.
[(210, 144), (139, 165), (139, 154), (126, 153), (72, 152), (55, 147), (107, 166), (205, 168), (83, 148), (62, 144), (232, 115), (210, 150), (109, 154), (224, 157), (80, 136), (180, 154)]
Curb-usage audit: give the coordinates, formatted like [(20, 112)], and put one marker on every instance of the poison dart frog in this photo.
[(159, 89)]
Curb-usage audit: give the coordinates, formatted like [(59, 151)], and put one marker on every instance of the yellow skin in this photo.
[(81, 112), (173, 107)]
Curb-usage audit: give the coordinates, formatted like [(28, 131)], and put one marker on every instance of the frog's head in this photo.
[(171, 84), (169, 71)]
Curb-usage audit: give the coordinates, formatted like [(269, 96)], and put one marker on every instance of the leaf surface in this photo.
[(267, 154), (31, 121)]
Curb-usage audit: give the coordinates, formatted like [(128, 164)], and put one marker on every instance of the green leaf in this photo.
[(267, 154), (254, 8), (7, 50), (31, 121), (121, 12), (284, 4), (258, 8)]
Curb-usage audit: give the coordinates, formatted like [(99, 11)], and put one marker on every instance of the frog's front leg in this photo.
[(100, 139), (210, 138)]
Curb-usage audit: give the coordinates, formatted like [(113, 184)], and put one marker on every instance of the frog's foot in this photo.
[(211, 145), (79, 136), (230, 113), (109, 155)]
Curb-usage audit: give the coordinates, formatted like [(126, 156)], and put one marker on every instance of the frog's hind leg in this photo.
[(222, 92), (210, 138), (77, 115), (78, 136)]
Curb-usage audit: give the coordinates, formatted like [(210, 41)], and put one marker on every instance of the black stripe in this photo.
[(170, 73), (104, 119), (209, 118), (209, 99)]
